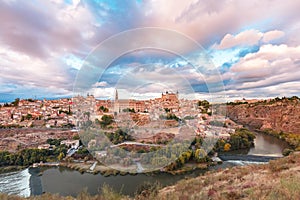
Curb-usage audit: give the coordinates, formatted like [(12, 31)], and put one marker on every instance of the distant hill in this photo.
[(281, 115)]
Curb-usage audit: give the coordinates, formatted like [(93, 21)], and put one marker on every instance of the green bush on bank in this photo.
[(241, 139), (27, 157), (292, 139)]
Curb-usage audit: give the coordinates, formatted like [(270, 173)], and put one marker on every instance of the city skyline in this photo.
[(42, 50)]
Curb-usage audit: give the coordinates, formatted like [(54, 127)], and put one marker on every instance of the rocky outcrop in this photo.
[(281, 115)]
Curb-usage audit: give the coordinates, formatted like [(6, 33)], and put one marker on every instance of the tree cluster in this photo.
[(118, 136), (105, 121), (103, 109), (241, 139), (129, 110), (27, 157)]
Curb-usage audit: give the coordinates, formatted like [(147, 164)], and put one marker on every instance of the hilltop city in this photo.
[(57, 116)]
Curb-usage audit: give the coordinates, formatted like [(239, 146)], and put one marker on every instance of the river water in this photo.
[(69, 182), (267, 145), (17, 183)]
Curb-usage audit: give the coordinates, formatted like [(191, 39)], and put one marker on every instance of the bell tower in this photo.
[(116, 102), (116, 95)]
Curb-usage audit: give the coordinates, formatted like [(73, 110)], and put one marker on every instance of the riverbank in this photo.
[(189, 167), (46, 178), (292, 139), (16, 182), (7, 169), (187, 162), (107, 171), (277, 180), (84, 167)]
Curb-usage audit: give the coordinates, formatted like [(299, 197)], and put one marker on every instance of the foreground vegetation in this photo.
[(277, 180)]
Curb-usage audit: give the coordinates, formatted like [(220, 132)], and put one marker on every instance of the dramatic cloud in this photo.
[(248, 38), (272, 35), (19, 68), (272, 65), (253, 44), (206, 21), (29, 29)]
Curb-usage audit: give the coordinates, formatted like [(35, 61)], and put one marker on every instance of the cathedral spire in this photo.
[(116, 95)]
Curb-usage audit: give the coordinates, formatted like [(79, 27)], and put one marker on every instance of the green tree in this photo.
[(55, 142), (106, 120), (103, 109), (16, 102), (61, 156), (76, 137), (203, 103), (200, 155), (28, 116), (172, 117)]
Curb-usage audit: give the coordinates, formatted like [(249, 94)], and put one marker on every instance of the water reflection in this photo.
[(69, 182), (267, 145)]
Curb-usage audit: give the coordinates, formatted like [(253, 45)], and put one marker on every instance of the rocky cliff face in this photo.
[(281, 115)]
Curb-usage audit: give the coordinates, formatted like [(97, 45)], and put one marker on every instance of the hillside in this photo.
[(281, 115), (277, 180)]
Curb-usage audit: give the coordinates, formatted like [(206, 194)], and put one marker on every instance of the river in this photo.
[(16, 183), (267, 145), (69, 182), (264, 145)]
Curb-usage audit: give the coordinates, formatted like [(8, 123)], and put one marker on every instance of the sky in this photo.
[(247, 49)]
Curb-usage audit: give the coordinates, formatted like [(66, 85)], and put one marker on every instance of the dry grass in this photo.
[(280, 179)]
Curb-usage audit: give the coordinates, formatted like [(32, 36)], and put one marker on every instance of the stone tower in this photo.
[(116, 102), (116, 95)]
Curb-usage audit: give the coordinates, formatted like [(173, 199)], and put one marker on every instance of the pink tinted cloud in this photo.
[(272, 35), (248, 38), (271, 65), (204, 20)]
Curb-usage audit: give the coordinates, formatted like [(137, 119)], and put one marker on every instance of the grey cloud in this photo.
[(282, 68), (34, 29)]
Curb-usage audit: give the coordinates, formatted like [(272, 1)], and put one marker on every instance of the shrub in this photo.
[(287, 151)]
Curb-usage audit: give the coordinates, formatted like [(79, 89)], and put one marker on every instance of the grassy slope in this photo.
[(280, 179)]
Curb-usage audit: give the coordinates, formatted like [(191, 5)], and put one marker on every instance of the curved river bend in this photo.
[(69, 182)]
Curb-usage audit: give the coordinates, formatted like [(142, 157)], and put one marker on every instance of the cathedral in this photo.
[(167, 100)]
